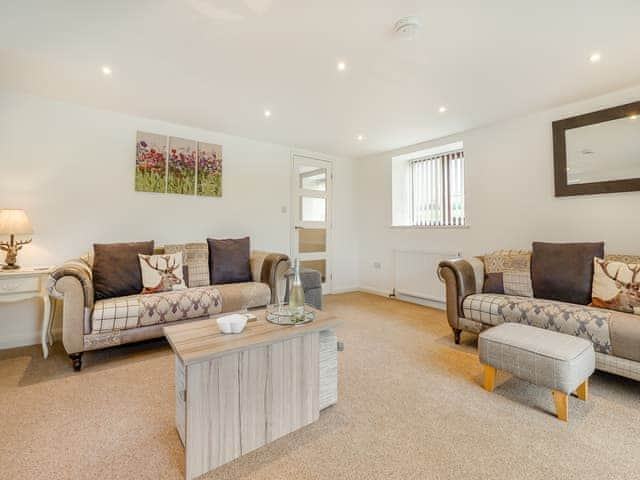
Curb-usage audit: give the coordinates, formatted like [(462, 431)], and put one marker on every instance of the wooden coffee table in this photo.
[(235, 393)]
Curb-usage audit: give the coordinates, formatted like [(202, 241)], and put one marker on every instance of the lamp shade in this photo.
[(14, 222)]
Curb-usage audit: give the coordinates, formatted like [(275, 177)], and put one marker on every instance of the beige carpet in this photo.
[(410, 407)]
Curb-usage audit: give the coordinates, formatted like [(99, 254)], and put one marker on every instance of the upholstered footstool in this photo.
[(546, 358)]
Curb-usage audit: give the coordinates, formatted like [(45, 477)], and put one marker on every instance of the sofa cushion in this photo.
[(508, 271), (229, 260), (195, 256), (616, 285), (162, 273), (585, 322), (142, 310), (236, 296), (179, 305), (116, 269), (564, 271)]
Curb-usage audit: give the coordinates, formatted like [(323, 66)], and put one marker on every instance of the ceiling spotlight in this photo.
[(106, 69), (595, 57), (442, 109), (634, 116), (267, 113), (360, 137), (342, 66)]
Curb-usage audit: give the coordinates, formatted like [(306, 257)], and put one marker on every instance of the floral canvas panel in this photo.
[(151, 162), (209, 170), (181, 172)]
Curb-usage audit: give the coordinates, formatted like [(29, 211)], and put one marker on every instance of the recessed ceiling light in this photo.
[(634, 116), (442, 109), (341, 66), (106, 69), (595, 57), (267, 113), (360, 137)]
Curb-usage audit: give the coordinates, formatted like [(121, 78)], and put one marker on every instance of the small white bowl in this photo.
[(233, 323)]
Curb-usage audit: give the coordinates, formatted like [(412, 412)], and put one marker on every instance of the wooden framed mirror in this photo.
[(598, 152)]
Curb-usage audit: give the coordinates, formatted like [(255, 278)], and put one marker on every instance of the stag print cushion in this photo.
[(616, 285), (509, 272), (161, 273)]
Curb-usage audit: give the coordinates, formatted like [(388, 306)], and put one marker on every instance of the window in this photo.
[(429, 188)]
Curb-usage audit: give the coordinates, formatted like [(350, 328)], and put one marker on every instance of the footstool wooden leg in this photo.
[(562, 405), (583, 391), (489, 378)]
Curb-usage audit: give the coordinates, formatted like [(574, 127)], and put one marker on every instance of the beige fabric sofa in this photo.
[(615, 335), (89, 324)]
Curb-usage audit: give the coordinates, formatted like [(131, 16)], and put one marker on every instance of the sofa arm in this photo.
[(462, 278), (270, 268), (72, 282)]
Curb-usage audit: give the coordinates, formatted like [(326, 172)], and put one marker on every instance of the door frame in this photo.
[(327, 286)]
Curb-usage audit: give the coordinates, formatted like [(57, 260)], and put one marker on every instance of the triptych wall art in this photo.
[(177, 165)]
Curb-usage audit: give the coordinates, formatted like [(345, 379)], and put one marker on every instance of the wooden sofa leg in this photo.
[(76, 358), (456, 335)]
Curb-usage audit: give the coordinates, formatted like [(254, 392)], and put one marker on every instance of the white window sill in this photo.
[(429, 227)]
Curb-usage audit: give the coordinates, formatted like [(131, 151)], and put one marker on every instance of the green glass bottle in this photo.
[(296, 295)]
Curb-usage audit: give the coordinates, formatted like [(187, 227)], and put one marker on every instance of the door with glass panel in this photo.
[(311, 215)]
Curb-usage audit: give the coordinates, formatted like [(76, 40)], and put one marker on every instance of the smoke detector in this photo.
[(407, 27)]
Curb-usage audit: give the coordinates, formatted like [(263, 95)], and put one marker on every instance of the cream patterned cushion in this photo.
[(508, 272), (196, 257)]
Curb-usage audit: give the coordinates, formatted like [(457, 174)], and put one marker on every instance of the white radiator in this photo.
[(416, 274)]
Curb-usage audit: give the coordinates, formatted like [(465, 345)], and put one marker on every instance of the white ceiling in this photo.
[(217, 64)]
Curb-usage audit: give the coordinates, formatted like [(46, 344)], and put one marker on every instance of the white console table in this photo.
[(26, 283)]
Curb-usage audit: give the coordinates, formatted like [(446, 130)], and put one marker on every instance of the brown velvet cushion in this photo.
[(564, 271), (494, 283), (229, 260), (116, 268)]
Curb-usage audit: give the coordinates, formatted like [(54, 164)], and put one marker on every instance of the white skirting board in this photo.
[(404, 298)]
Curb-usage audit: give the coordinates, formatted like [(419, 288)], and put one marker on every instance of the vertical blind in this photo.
[(437, 194)]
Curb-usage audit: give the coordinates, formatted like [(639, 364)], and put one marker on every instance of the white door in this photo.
[(311, 208)]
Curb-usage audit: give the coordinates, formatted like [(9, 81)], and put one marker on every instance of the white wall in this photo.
[(510, 197), (72, 169)]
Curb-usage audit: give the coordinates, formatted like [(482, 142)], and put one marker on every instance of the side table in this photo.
[(26, 283)]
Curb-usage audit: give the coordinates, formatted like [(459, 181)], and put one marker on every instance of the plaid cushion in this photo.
[(509, 272), (196, 257), (115, 314)]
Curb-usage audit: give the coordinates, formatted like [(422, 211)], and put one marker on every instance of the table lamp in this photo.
[(12, 223)]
